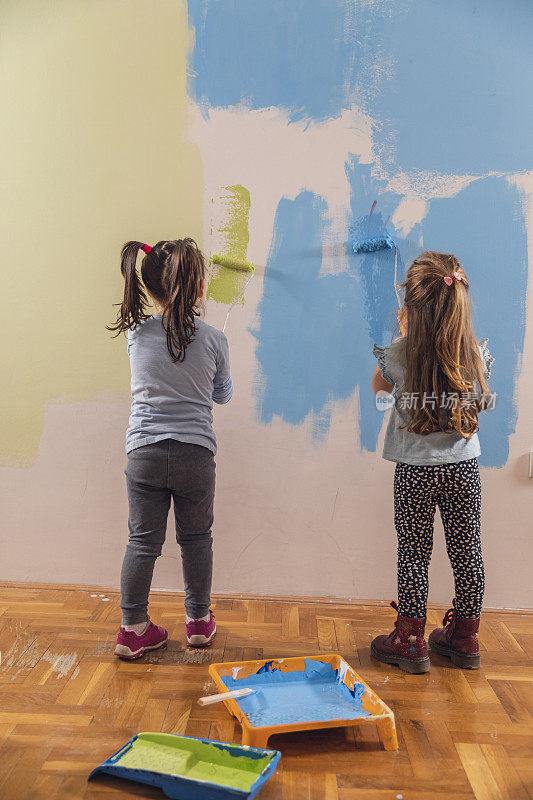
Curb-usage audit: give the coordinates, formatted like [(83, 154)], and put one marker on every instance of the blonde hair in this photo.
[(441, 353)]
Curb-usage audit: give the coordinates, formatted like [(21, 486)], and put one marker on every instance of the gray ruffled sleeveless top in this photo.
[(414, 448)]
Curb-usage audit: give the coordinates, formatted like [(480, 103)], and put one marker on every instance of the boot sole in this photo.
[(462, 660), (414, 666)]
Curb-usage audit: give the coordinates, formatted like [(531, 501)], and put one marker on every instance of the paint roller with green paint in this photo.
[(232, 263), (240, 266), (229, 227)]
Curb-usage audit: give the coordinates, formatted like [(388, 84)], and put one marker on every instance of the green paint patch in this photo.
[(225, 283), (59, 350), (188, 758)]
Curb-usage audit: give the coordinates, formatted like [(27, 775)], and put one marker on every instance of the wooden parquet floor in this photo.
[(66, 703)]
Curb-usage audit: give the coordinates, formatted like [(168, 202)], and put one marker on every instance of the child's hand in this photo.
[(402, 321)]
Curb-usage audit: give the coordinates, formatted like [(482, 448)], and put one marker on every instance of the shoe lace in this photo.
[(395, 632), (449, 616)]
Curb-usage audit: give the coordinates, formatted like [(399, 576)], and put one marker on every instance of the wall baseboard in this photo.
[(265, 598)]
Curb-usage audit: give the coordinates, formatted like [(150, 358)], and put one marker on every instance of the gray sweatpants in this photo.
[(157, 473)]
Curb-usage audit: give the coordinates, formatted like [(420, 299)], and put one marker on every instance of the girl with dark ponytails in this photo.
[(179, 368), (438, 373)]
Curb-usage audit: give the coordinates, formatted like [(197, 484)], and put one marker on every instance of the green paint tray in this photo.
[(187, 768)]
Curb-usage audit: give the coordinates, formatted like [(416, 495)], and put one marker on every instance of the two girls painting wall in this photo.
[(180, 367)]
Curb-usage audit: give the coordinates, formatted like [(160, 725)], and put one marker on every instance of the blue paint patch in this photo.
[(314, 694), (298, 56), (376, 272), (376, 269), (316, 331), (312, 343), (456, 94), (424, 72), (484, 227)]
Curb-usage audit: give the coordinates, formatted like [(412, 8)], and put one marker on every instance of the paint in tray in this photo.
[(186, 767), (315, 694), (301, 693)]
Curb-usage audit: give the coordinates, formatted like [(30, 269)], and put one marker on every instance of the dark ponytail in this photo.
[(184, 273), (132, 310), (173, 273)]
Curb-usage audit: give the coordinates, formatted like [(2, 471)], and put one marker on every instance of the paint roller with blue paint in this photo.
[(362, 245), (373, 243)]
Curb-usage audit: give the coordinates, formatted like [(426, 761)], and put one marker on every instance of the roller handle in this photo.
[(219, 698)]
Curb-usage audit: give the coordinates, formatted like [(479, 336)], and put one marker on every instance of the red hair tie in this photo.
[(146, 248)]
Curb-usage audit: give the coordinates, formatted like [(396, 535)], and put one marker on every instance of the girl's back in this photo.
[(175, 399), (438, 369), (433, 447)]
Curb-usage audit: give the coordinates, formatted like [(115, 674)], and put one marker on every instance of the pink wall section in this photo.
[(291, 517)]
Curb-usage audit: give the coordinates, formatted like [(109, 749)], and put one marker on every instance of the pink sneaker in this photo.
[(131, 645), (201, 633)]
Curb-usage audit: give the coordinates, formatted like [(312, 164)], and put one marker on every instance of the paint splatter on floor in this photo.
[(178, 653), (190, 656), (174, 652), (61, 663)]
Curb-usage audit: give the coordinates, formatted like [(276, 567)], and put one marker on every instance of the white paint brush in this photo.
[(219, 698)]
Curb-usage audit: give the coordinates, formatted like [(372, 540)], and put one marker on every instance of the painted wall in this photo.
[(266, 131)]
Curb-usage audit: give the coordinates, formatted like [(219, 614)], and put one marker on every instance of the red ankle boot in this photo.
[(405, 646), (457, 640)]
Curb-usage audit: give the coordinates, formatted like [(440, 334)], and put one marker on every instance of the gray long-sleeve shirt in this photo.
[(175, 400)]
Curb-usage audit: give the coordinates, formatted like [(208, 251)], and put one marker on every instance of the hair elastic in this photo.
[(449, 279), (146, 248)]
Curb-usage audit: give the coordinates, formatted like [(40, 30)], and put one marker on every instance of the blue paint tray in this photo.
[(301, 694), (187, 768)]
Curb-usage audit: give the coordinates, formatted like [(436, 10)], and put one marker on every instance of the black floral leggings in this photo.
[(456, 490)]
